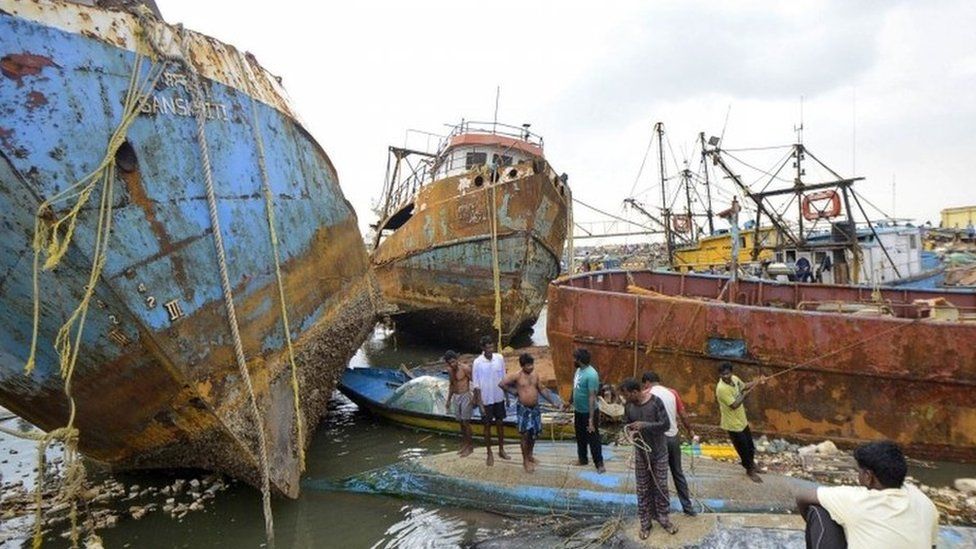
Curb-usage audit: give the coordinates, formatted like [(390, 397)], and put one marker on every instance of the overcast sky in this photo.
[(887, 87)]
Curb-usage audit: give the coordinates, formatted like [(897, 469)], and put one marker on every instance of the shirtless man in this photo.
[(526, 385), (460, 391)]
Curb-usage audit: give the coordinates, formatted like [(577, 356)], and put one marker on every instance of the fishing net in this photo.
[(425, 394)]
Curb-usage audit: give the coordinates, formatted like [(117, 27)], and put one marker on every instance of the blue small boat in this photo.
[(380, 391)]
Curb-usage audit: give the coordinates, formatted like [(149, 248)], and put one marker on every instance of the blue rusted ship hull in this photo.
[(156, 384)]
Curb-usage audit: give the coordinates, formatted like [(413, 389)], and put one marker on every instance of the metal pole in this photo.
[(668, 238), (708, 188)]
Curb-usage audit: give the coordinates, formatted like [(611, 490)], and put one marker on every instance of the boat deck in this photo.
[(737, 511), (557, 486)]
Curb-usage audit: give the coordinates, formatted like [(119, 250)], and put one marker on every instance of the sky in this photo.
[(885, 88)]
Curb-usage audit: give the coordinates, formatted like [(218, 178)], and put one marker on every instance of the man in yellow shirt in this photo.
[(882, 512), (731, 393)]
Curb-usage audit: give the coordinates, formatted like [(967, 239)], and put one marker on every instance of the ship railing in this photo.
[(404, 191), (490, 128)]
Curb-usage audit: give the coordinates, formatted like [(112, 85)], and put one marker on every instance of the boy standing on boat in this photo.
[(460, 391), (526, 385), (647, 421), (731, 392), (488, 371), (586, 384)]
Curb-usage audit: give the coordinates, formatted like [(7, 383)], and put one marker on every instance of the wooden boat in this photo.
[(157, 381), (849, 364), (468, 241), (372, 388)]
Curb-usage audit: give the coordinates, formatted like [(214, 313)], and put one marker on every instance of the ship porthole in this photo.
[(513, 173), (479, 181), (125, 158)]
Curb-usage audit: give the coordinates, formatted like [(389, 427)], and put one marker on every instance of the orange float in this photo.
[(812, 210)]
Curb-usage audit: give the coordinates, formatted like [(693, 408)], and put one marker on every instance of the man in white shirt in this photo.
[(488, 371), (882, 512), (651, 383)]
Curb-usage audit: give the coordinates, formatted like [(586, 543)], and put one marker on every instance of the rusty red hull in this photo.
[(437, 269), (902, 377)]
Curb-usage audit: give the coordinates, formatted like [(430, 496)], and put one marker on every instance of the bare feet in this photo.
[(502, 454), (533, 460), (466, 451), (754, 476), (645, 533), (578, 463), (490, 461), (670, 528), (528, 466), (601, 469)]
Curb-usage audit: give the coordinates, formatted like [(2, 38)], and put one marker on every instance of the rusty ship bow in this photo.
[(157, 381), (470, 238)]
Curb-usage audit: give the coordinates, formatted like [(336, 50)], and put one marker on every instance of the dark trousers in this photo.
[(585, 438), (745, 447), (822, 532), (674, 463)]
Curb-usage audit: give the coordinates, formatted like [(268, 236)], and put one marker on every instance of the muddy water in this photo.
[(347, 442)]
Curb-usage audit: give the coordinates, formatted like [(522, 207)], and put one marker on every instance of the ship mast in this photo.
[(708, 189), (666, 212)]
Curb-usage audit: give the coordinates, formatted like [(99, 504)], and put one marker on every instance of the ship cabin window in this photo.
[(742, 242), (791, 256), (475, 159), (779, 257), (818, 257), (501, 160)]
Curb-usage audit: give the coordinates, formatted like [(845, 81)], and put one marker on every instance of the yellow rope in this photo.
[(496, 278), (269, 207), (53, 241)]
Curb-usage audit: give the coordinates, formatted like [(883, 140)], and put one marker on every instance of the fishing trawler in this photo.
[(469, 239), (187, 235), (850, 361)]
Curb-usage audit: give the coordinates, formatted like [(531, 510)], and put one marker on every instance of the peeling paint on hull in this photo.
[(437, 268), (863, 377), (152, 391)]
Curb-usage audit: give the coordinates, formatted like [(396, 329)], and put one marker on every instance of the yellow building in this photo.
[(958, 218), (716, 251)]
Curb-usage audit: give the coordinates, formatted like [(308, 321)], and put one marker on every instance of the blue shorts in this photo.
[(529, 420)]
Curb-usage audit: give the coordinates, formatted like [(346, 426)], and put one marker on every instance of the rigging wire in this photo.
[(640, 171), (618, 218)]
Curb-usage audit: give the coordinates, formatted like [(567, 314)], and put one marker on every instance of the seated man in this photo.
[(881, 512)]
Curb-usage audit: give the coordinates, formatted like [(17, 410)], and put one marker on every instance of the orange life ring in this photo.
[(812, 209), (681, 223)]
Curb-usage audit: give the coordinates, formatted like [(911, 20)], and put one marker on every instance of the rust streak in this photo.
[(137, 192)]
